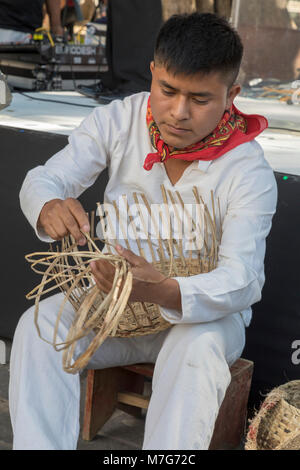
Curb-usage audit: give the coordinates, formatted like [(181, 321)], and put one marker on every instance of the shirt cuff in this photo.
[(171, 315), (196, 309), (33, 216)]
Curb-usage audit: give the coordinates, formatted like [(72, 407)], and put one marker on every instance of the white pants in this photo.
[(189, 383)]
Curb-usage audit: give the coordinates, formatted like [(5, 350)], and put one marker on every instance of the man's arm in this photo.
[(54, 12), (237, 282)]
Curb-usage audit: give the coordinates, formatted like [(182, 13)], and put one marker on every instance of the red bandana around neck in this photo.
[(235, 128)]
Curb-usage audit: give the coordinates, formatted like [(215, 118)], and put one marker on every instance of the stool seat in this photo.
[(123, 388)]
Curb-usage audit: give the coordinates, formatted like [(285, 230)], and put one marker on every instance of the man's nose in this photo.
[(180, 108)]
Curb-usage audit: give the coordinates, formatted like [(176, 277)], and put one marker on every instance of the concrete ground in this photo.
[(121, 432)]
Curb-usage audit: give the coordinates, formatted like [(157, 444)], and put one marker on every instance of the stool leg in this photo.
[(231, 422), (101, 400)]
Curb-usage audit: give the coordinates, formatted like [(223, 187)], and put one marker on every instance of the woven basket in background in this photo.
[(276, 426)]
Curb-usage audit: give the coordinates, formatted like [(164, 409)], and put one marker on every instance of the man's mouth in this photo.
[(176, 130)]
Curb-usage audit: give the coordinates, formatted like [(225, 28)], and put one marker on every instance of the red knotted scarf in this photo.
[(235, 128)]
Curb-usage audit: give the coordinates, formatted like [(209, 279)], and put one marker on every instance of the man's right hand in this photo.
[(59, 218)]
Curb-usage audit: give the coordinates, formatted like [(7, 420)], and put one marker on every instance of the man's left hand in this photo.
[(142, 291)]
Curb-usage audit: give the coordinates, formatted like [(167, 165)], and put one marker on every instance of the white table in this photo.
[(61, 112)]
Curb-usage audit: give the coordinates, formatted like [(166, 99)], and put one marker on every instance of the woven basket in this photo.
[(277, 424), (67, 268)]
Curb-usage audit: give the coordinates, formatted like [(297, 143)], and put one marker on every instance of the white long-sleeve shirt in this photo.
[(116, 136)]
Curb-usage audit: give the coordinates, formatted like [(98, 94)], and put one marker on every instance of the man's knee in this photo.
[(197, 336), (198, 345), (26, 321)]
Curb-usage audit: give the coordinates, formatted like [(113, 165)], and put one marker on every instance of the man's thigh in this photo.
[(195, 344), (125, 351), (228, 334)]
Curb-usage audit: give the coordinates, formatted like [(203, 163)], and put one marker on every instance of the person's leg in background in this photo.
[(132, 29)]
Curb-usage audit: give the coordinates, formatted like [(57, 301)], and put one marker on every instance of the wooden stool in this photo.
[(122, 388)]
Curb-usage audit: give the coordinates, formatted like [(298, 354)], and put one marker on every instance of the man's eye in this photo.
[(168, 92), (200, 102)]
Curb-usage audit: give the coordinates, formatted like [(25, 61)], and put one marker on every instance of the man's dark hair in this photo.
[(199, 42)]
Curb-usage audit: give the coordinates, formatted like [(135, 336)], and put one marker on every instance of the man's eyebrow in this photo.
[(202, 94)]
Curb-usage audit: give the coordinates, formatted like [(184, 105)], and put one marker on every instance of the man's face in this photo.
[(188, 108)]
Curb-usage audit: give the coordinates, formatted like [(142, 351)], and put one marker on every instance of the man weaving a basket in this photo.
[(188, 138)]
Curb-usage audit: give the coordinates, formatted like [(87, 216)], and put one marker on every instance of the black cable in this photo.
[(55, 101), (73, 76), (77, 87)]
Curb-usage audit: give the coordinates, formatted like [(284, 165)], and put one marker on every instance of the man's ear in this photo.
[(233, 92), (152, 65)]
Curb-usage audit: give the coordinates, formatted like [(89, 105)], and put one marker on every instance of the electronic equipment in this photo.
[(52, 66)]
